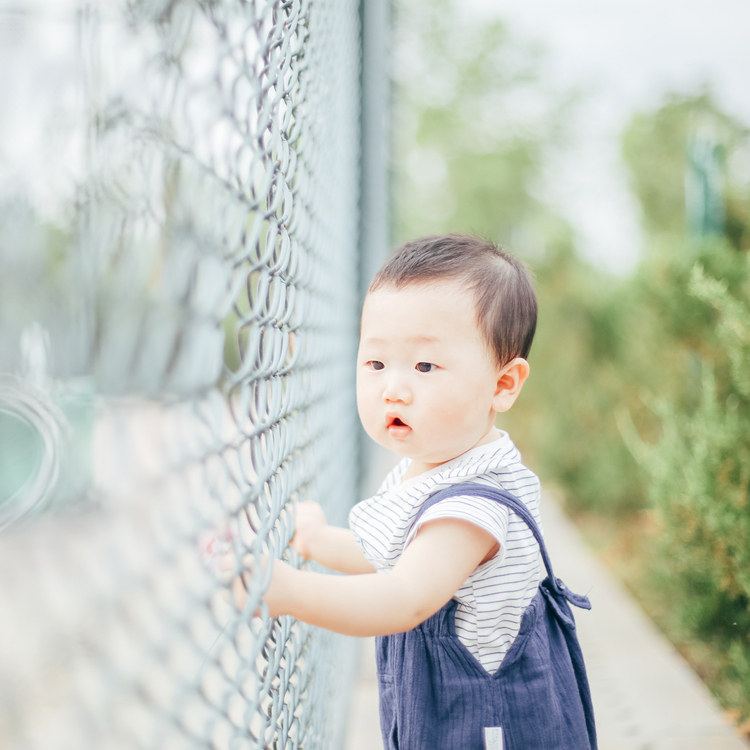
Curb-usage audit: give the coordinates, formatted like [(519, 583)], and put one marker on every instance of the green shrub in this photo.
[(699, 482)]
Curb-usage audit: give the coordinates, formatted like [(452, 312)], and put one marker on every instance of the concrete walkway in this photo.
[(646, 697)]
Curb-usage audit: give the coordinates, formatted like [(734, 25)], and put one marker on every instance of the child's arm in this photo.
[(328, 545), (427, 575)]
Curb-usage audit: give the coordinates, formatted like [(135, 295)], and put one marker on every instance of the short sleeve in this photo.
[(483, 512)]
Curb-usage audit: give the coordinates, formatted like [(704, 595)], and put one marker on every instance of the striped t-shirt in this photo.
[(494, 597)]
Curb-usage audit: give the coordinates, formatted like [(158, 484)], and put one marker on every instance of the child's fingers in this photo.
[(213, 546), (227, 562), (309, 520), (239, 583), (227, 568), (239, 590)]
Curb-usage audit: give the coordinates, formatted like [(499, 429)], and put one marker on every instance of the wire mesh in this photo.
[(178, 233)]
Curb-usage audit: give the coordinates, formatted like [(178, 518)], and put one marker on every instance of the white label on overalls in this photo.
[(493, 738)]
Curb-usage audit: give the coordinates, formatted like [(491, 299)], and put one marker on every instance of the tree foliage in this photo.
[(696, 469), (655, 145), (473, 123)]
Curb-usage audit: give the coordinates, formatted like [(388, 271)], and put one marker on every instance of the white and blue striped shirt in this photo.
[(494, 597)]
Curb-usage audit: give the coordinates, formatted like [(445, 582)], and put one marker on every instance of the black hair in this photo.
[(502, 285)]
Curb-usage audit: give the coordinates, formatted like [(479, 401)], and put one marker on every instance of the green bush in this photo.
[(640, 399), (698, 477)]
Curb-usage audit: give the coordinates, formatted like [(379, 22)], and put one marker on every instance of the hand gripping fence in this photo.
[(178, 241)]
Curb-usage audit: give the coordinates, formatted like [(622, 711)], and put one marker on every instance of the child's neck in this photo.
[(417, 467)]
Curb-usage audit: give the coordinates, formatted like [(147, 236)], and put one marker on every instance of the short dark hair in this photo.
[(503, 289)]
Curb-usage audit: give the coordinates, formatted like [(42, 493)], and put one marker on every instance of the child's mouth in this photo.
[(398, 428)]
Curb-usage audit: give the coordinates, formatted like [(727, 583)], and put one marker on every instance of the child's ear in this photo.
[(509, 383)]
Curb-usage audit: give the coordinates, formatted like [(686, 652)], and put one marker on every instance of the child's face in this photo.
[(426, 382)]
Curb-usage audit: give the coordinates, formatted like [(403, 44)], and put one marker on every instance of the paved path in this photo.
[(646, 697)]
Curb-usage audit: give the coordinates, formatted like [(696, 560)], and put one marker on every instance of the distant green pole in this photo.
[(704, 185)]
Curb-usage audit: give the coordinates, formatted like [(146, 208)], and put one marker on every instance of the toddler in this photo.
[(447, 325)]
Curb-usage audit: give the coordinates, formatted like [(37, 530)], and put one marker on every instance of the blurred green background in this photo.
[(637, 413)]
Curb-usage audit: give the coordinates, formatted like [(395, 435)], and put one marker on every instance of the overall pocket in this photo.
[(388, 711)]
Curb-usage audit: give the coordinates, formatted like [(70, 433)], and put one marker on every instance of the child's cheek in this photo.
[(458, 418), (362, 399), (366, 409)]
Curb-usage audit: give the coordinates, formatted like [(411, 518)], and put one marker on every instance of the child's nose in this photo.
[(396, 390)]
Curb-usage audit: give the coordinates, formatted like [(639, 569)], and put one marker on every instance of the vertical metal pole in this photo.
[(374, 226), (375, 135)]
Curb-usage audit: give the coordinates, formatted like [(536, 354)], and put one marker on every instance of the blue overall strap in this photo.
[(511, 502)]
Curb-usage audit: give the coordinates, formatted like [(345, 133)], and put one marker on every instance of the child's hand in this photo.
[(277, 594), (310, 522), (227, 569), (213, 546)]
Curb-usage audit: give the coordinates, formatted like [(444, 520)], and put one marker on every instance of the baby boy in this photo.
[(447, 325)]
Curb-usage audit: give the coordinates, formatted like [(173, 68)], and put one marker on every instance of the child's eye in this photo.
[(376, 365), (425, 366)]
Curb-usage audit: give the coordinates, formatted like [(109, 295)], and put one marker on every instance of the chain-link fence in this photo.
[(179, 223)]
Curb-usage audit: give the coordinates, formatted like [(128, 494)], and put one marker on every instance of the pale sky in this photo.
[(627, 54)]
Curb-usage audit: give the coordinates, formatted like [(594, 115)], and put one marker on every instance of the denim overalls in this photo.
[(434, 695)]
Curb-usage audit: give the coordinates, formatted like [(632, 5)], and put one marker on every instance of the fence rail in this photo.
[(179, 218)]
